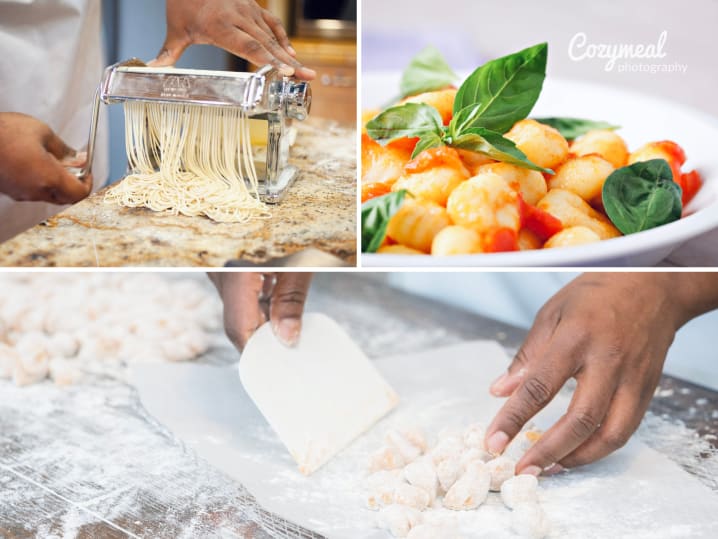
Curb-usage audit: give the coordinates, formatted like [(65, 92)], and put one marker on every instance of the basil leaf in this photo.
[(642, 196), (463, 120), (572, 128), (426, 141), (484, 141), (408, 120), (375, 216), (427, 71), (505, 88)]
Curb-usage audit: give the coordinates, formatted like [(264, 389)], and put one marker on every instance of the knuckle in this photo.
[(613, 439), (536, 391), (514, 418), (583, 423), (522, 356), (252, 46), (295, 297)]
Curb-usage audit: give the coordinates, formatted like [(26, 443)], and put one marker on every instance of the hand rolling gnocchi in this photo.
[(484, 178)]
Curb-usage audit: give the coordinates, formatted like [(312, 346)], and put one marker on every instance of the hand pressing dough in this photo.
[(501, 469), (519, 489), (529, 521), (421, 474), (470, 490), (399, 519)]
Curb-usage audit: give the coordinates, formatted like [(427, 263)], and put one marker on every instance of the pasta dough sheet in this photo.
[(636, 492)]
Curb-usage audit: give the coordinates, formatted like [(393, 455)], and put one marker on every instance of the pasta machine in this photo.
[(269, 99)]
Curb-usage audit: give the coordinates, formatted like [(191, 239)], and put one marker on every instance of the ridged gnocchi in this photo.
[(417, 223), (484, 202)]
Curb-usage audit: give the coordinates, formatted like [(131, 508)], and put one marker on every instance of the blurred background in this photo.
[(469, 32), (516, 297), (323, 34)]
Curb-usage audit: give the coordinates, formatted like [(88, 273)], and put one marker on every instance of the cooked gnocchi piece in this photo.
[(485, 202), (604, 143), (572, 210), (582, 175), (417, 223), (541, 143), (456, 240)]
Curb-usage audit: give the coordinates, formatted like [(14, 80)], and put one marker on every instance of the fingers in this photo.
[(56, 146), (171, 51), (544, 377), (287, 305), (532, 347), (276, 26), (242, 313), (621, 421), (586, 412)]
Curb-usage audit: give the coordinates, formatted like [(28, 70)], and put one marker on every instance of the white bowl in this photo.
[(642, 119)]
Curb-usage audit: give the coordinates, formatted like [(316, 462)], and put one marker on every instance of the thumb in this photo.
[(56, 146), (170, 52), (287, 306)]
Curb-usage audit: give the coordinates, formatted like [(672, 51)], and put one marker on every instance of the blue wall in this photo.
[(136, 28)]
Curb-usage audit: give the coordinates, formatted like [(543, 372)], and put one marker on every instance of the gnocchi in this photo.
[(529, 185)]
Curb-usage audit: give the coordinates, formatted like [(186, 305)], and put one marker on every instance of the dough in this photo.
[(421, 474), (501, 468), (519, 489), (448, 471), (406, 449), (399, 519), (381, 487), (529, 521), (386, 458), (470, 490), (411, 496)]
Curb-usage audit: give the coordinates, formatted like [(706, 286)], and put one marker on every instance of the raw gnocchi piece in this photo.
[(381, 487), (385, 458), (470, 490), (8, 358), (416, 224), (422, 474), (541, 143), (603, 142), (64, 344), (474, 436), (448, 471), (416, 437), (456, 240), (530, 183), (584, 176), (522, 442), (411, 496), (185, 345), (571, 236), (572, 210), (399, 519), (408, 451), (450, 445), (529, 521), (483, 203), (501, 469), (64, 372), (473, 454), (519, 489)]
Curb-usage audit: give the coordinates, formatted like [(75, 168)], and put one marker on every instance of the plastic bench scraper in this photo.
[(318, 396)]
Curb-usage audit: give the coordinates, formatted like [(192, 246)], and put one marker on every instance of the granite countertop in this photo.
[(62, 492), (319, 211)]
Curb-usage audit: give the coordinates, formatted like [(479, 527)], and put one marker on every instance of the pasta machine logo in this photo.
[(177, 87), (625, 57)]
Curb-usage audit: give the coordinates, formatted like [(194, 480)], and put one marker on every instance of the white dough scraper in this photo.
[(318, 396)]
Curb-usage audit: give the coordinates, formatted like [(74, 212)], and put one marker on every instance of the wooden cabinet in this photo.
[(334, 91)]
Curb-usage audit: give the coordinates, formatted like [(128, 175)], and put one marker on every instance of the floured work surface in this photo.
[(636, 492)]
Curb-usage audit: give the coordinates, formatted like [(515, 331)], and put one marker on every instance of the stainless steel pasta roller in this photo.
[(269, 99)]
